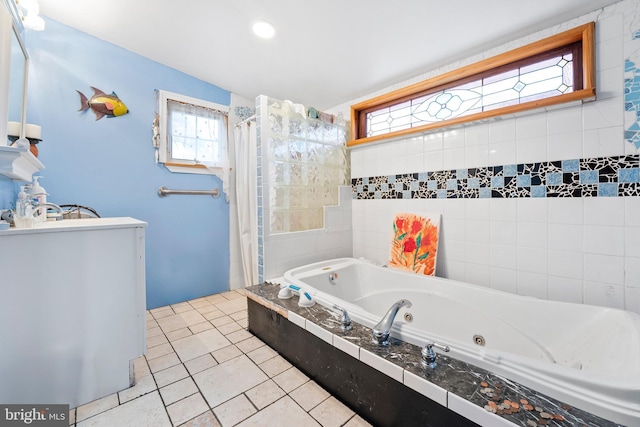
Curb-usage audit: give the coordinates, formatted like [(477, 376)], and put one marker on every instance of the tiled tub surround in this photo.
[(458, 386)]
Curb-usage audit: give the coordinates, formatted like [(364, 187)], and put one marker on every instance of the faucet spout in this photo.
[(45, 206), (383, 328)]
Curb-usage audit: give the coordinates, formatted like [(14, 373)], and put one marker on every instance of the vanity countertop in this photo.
[(83, 224)]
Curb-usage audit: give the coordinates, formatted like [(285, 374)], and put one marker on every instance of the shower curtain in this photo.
[(246, 194)]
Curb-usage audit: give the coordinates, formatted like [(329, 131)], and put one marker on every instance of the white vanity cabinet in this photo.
[(72, 309)]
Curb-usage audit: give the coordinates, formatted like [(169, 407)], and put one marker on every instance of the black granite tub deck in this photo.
[(385, 401)]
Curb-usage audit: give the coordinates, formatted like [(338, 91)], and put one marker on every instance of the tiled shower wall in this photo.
[(543, 204), (304, 206)]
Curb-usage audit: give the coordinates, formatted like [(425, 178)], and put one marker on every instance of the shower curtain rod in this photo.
[(248, 119)]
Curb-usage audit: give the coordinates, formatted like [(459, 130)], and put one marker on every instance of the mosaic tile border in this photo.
[(616, 176)]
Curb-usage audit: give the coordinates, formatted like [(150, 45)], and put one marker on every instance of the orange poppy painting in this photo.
[(415, 243)]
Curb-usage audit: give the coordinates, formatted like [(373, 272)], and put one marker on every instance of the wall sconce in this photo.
[(32, 133), (29, 11)]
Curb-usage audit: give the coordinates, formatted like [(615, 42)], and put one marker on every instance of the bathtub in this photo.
[(586, 356)]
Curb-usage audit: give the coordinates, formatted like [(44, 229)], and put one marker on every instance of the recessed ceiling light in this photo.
[(264, 29)]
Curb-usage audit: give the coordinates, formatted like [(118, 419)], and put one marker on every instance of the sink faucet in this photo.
[(37, 208), (381, 330)]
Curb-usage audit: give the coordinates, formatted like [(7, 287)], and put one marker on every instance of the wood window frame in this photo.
[(584, 90)]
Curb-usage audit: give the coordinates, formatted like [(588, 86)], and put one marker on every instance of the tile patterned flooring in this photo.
[(204, 369)]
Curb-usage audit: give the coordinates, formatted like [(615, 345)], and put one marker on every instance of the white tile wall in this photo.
[(288, 250), (584, 250)]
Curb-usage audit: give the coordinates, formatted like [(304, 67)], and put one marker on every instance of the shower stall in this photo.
[(302, 194)]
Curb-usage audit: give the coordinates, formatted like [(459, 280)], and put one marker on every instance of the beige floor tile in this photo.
[(265, 394), (357, 421), (214, 299), (283, 413), (186, 409), (180, 333), (207, 309), (239, 315), (220, 321), (213, 314), (140, 368), (199, 344), (250, 344), (309, 395), (178, 391), (229, 328), (226, 353), (275, 366), (233, 294), (180, 320), (290, 379), (233, 305), (97, 406), (238, 336), (243, 322), (226, 380), (147, 410), (262, 354), (200, 363), (152, 332), (235, 410), (159, 313), (163, 362), (151, 324), (331, 413), (199, 303), (72, 416), (170, 375), (201, 327), (143, 386), (205, 420), (156, 340), (182, 307), (159, 350)]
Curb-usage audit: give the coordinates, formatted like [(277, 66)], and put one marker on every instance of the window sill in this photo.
[(18, 163), (192, 169)]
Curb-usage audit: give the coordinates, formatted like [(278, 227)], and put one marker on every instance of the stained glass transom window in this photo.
[(542, 79), (555, 70)]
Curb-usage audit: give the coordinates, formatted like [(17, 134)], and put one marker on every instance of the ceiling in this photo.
[(324, 52)]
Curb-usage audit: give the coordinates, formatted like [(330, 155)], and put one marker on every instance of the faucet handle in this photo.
[(429, 356), (345, 320)]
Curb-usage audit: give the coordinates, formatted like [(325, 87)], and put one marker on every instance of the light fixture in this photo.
[(29, 11), (264, 29)]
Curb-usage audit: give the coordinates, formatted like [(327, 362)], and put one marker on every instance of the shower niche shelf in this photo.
[(18, 163)]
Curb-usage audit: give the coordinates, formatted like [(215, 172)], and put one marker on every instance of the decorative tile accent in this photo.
[(617, 176), (632, 93)]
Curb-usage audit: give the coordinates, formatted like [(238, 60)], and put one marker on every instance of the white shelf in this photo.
[(18, 163)]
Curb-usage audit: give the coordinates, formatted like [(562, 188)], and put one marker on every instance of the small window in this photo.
[(192, 134), (555, 70)]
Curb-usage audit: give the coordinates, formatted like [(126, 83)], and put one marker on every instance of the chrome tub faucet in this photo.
[(429, 355), (381, 330)]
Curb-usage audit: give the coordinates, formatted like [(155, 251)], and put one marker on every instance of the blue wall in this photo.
[(110, 165)]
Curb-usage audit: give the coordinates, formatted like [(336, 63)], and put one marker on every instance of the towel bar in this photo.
[(164, 191)]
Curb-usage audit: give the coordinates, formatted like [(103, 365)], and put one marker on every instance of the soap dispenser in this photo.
[(23, 217), (39, 196)]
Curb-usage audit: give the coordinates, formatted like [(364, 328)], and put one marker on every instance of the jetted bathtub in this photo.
[(584, 355)]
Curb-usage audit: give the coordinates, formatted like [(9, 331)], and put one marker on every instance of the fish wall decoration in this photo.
[(103, 104)]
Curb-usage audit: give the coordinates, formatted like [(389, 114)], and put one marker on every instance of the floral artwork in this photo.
[(415, 243)]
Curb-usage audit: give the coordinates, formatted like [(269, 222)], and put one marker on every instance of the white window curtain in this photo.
[(193, 132)]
